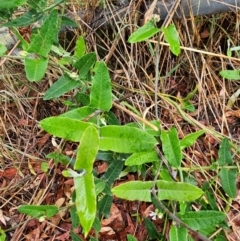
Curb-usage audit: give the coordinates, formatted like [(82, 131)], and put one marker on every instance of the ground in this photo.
[(24, 145)]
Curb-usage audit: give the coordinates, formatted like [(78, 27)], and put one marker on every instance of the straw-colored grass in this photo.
[(23, 146)]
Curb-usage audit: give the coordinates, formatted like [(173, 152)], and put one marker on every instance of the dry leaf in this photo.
[(42, 141), (148, 210), (24, 122), (102, 168), (31, 169), (63, 237), (233, 99), (60, 202), (2, 219), (204, 34), (9, 173), (107, 231), (115, 214), (235, 113), (149, 14)]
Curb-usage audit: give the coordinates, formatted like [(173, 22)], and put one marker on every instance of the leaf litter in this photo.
[(23, 146)]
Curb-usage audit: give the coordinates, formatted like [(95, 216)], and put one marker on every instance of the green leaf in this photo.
[(7, 4), (165, 175), (100, 185), (171, 147), (93, 239), (83, 99), (107, 190), (74, 236), (6, 13), (105, 206), (24, 43), (68, 22), (38, 211), (60, 87), (80, 113), (191, 94), (80, 47), (74, 217), (151, 230), (148, 129), (111, 118), (64, 127), (55, 3), (59, 158), (178, 233), (38, 5), (35, 68), (141, 158), (85, 201), (44, 166), (65, 60), (211, 199), (206, 187), (190, 139), (228, 181), (101, 92), (47, 33), (187, 105), (171, 36), (229, 53), (113, 171), (190, 238), (178, 191), (143, 33), (97, 225), (169, 190), (231, 74), (3, 49), (105, 156), (124, 139), (71, 173), (235, 48), (2, 235), (220, 238), (209, 231), (224, 153), (84, 64), (202, 219), (26, 19), (134, 190), (87, 150), (131, 238)]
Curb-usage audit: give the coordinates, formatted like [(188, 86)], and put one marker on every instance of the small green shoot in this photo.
[(178, 233), (38, 211), (3, 50), (171, 36), (44, 167), (144, 33), (171, 147), (2, 235), (35, 68), (230, 74)]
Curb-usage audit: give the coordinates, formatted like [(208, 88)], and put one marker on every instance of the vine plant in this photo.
[(127, 147)]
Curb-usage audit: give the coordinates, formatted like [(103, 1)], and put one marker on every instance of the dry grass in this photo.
[(23, 146)]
